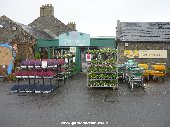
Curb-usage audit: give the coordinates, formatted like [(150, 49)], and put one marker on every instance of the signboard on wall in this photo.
[(7, 56), (131, 53), (152, 53), (74, 38), (145, 53)]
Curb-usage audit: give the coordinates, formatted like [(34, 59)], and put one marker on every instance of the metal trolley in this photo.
[(134, 75), (121, 72)]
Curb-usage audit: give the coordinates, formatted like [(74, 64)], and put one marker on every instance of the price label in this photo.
[(74, 59), (44, 64), (66, 60), (88, 57)]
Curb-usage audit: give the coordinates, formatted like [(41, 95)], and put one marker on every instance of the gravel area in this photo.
[(76, 105)]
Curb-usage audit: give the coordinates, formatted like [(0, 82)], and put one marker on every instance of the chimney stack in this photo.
[(47, 10), (72, 25)]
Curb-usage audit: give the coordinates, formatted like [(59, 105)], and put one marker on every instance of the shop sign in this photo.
[(152, 53), (131, 53), (145, 53), (74, 38)]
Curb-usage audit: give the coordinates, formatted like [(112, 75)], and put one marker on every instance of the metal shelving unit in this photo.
[(97, 77)]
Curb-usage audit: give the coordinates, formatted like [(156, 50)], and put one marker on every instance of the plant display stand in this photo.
[(36, 74), (36, 87), (69, 58), (102, 70), (46, 69)]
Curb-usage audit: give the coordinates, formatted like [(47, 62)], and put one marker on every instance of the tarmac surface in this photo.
[(78, 106)]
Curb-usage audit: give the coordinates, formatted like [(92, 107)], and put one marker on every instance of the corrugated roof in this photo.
[(103, 37), (143, 31)]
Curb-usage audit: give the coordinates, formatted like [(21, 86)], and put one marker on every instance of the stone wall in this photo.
[(144, 46)]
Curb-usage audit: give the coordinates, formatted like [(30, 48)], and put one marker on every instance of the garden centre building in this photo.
[(147, 42), (75, 42)]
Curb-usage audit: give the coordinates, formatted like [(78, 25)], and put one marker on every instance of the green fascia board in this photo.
[(47, 43), (103, 42), (99, 42)]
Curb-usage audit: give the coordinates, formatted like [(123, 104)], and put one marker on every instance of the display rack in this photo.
[(32, 71), (62, 67), (61, 71), (70, 64), (102, 70), (71, 67)]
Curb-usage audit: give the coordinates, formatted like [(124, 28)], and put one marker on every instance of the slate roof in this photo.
[(143, 31), (6, 30), (51, 25), (38, 34)]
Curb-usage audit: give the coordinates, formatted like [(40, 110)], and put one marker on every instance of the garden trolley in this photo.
[(133, 75), (102, 70), (159, 71), (121, 71)]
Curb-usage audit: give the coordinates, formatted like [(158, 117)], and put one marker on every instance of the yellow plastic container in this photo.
[(159, 67), (159, 70), (144, 66), (147, 72)]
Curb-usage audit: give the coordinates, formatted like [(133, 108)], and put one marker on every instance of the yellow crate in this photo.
[(144, 66), (159, 67)]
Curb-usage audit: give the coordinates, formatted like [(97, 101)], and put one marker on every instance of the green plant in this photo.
[(10, 77), (37, 56), (18, 59), (168, 69)]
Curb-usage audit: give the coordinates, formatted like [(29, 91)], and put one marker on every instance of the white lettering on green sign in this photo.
[(74, 38)]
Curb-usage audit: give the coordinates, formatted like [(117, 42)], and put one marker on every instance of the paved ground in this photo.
[(74, 102)]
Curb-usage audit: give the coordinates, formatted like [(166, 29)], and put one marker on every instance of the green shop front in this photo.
[(73, 42)]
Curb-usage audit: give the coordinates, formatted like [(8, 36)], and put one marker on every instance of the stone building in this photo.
[(24, 36), (146, 42), (21, 35)]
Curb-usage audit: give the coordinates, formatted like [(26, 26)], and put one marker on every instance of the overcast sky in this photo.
[(95, 17)]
